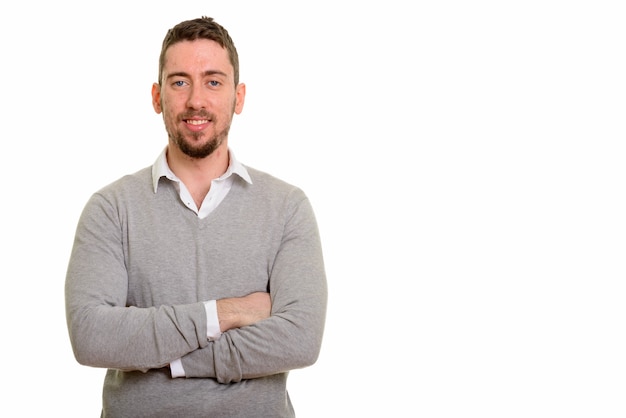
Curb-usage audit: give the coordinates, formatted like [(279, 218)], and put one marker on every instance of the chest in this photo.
[(187, 259)]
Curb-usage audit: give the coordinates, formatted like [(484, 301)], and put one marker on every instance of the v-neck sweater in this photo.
[(141, 268)]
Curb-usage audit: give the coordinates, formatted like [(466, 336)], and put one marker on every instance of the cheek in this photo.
[(167, 106)]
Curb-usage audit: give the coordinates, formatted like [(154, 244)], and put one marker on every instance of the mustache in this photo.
[(201, 114)]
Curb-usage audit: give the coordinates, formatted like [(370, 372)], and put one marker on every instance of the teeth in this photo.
[(197, 122)]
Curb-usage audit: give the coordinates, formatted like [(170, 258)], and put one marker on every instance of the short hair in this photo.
[(201, 28)]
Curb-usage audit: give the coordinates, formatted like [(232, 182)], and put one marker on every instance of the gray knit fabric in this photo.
[(142, 265)]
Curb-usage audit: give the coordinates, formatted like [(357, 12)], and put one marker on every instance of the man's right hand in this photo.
[(246, 310)]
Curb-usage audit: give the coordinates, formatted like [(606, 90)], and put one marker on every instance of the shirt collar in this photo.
[(160, 168)]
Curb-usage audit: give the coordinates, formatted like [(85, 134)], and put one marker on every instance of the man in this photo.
[(198, 282)]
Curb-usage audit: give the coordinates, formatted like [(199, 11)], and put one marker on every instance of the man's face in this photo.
[(197, 96)]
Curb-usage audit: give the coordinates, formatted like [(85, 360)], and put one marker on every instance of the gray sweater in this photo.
[(141, 267)]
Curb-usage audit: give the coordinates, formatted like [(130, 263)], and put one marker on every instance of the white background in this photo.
[(465, 160)]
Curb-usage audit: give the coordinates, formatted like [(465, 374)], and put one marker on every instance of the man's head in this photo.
[(198, 90)]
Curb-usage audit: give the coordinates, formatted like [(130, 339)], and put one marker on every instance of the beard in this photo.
[(203, 149)]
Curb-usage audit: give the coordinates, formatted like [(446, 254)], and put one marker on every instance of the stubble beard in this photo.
[(204, 149)]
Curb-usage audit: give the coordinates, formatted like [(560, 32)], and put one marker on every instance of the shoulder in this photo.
[(118, 191), (137, 181), (272, 186)]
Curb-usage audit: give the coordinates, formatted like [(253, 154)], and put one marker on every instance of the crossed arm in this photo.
[(232, 313)]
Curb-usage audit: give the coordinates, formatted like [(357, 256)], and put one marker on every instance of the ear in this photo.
[(156, 97), (240, 96)]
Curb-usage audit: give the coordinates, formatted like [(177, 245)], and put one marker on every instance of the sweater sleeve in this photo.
[(103, 330), (291, 338)]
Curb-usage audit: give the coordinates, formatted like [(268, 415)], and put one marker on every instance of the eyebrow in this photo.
[(205, 74)]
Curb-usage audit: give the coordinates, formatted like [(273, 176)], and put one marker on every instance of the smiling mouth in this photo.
[(197, 121)]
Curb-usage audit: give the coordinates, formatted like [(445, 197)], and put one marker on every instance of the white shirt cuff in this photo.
[(176, 368), (212, 321), (212, 333)]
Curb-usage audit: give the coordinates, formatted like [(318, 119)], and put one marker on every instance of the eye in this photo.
[(179, 83), (214, 83)]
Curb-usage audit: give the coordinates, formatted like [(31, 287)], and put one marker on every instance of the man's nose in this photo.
[(196, 99)]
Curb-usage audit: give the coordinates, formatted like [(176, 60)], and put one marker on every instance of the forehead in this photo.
[(200, 55)]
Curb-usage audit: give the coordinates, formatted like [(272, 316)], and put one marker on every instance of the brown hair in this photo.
[(201, 28)]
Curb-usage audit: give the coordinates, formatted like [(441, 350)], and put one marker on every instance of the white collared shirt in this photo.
[(219, 186)]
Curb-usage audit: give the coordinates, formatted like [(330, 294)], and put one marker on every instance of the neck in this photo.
[(197, 173)]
